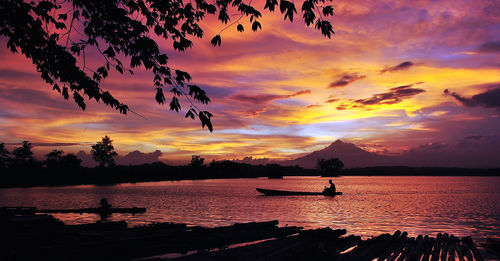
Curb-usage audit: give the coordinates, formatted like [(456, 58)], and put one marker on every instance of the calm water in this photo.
[(369, 206)]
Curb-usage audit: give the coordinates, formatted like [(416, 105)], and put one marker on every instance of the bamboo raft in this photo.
[(33, 210), (49, 239)]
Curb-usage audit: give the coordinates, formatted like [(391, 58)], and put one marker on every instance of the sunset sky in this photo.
[(286, 90)]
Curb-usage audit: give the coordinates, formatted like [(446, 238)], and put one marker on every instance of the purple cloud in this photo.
[(346, 79), (265, 98), (489, 47), (400, 67), (393, 96), (488, 99)]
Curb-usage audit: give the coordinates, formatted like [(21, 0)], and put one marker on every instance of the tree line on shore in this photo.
[(20, 169)]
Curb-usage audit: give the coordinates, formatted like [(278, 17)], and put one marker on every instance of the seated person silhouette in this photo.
[(330, 190), (332, 186)]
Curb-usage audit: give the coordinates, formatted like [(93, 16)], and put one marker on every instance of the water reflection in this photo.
[(369, 206)]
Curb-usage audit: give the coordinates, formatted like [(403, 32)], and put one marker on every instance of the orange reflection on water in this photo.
[(369, 206)]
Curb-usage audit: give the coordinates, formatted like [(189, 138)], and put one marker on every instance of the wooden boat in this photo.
[(272, 192)]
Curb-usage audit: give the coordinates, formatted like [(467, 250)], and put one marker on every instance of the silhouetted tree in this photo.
[(4, 156), (330, 166), (55, 159), (57, 34), (275, 171), (103, 152), (23, 156), (70, 161), (196, 161)]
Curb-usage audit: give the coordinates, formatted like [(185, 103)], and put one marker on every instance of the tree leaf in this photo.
[(328, 10), (240, 28), (256, 25), (160, 97), (271, 4), (174, 104), (79, 100), (216, 41)]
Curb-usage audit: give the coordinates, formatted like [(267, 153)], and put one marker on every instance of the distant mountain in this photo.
[(350, 154)]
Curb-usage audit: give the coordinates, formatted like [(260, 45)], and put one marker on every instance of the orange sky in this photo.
[(286, 90)]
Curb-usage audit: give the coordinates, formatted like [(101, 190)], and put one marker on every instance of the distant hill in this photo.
[(350, 154)]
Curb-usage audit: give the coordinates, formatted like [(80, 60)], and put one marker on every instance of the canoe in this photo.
[(272, 192)]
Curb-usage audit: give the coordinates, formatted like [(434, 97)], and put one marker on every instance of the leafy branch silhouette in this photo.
[(56, 35)]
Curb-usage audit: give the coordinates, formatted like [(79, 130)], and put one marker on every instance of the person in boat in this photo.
[(331, 189), (332, 186)]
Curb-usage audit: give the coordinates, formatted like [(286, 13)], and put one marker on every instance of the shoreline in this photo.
[(28, 178)]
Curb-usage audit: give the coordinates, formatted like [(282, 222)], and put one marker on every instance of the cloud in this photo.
[(132, 158), (346, 79), (15, 74), (252, 112), (400, 67), (253, 161), (47, 144), (136, 157), (266, 98), (314, 106), (393, 96), (476, 137), (488, 99), (31, 97), (468, 152), (489, 47), (331, 100)]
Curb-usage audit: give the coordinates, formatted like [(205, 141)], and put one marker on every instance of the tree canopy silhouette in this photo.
[(4, 156), (196, 161), (330, 166), (57, 35), (56, 160), (23, 155), (103, 152)]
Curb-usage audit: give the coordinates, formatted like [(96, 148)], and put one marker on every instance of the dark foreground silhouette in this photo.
[(42, 237)]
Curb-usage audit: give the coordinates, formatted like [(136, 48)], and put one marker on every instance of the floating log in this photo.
[(475, 251), (407, 248), (394, 242), (400, 244), (429, 243), (436, 249), (29, 240), (17, 210), (466, 250), (133, 210), (444, 248), (416, 251), (451, 248), (32, 210), (460, 251)]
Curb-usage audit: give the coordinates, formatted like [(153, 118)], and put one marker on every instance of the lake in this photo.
[(369, 206)]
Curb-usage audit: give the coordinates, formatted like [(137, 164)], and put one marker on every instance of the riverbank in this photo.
[(46, 177), (42, 237)]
